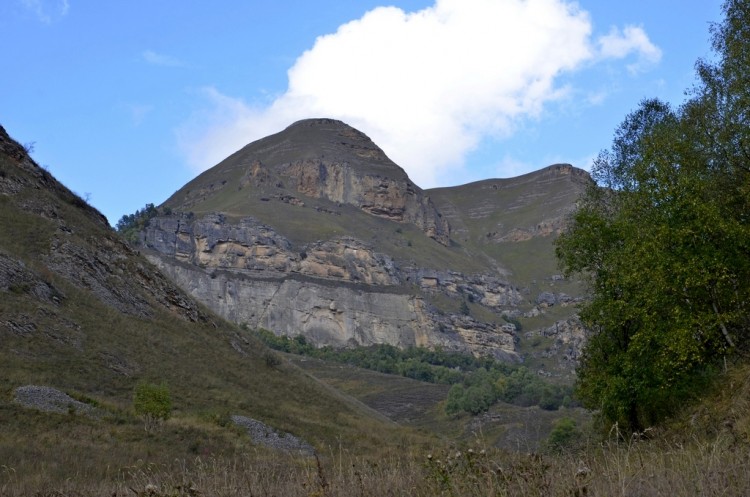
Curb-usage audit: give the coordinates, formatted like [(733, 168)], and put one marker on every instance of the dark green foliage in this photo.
[(433, 366), (663, 238), (130, 224), (478, 383), (514, 321), (484, 387)]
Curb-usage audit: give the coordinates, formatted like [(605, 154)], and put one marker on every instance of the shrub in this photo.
[(271, 359), (153, 403), (563, 436)]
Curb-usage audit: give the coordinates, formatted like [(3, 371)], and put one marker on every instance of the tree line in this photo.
[(477, 382)]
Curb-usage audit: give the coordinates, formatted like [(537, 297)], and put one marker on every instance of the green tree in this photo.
[(454, 402), (663, 236), (130, 224), (153, 403)]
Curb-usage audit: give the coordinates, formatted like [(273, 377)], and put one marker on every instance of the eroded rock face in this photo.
[(568, 339), (214, 243), (490, 291), (397, 199), (348, 259), (338, 292), (318, 159)]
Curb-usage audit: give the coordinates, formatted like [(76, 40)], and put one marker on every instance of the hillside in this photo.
[(83, 313), (314, 231)]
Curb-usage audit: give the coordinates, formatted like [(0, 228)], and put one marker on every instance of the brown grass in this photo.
[(633, 469)]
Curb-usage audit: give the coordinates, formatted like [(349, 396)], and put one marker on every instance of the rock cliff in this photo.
[(339, 292), (315, 231)]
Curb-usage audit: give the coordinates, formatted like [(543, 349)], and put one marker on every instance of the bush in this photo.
[(478, 382), (153, 403), (564, 435), (271, 359)]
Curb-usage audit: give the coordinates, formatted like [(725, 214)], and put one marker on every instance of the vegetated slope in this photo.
[(514, 221), (315, 231), (82, 312), (421, 405)]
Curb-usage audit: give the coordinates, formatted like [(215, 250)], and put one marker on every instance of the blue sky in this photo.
[(127, 101)]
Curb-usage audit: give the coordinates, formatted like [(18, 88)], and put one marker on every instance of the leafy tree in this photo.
[(663, 236), (454, 402), (153, 403)]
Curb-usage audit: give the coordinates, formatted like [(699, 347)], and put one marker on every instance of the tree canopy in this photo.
[(663, 238)]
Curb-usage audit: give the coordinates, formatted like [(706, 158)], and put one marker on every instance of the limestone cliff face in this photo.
[(210, 242), (398, 199), (339, 292)]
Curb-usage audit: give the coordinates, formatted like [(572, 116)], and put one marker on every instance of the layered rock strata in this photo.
[(337, 292)]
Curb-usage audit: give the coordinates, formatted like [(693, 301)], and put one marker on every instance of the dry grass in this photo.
[(638, 468)]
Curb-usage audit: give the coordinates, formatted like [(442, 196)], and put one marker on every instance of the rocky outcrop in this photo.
[(490, 291), (348, 259), (248, 246), (17, 278), (338, 314), (211, 242), (567, 339), (262, 434), (398, 200), (48, 399), (338, 292)]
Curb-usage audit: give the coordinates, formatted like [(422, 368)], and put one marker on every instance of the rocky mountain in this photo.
[(314, 231), (83, 313)]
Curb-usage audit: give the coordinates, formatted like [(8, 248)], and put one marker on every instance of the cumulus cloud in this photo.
[(158, 59), (426, 86), (47, 11), (632, 39)]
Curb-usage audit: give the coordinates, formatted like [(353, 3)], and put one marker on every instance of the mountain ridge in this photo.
[(320, 202)]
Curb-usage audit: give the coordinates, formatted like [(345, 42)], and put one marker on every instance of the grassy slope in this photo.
[(421, 405), (89, 349)]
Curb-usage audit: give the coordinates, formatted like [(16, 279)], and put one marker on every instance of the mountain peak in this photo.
[(324, 139), (321, 163)]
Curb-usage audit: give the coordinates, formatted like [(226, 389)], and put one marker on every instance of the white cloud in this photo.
[(47, 11), (426, 86), (226, 126), (158, 59), (619, 44)]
